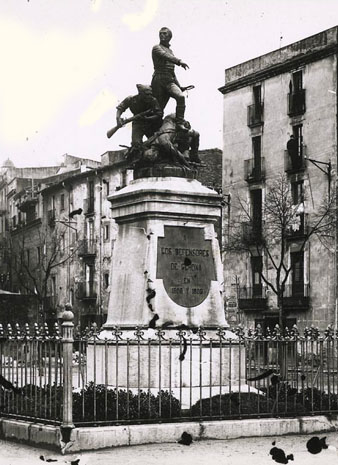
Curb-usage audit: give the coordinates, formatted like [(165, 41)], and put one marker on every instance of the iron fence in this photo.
[(161, 375), (31, 373)]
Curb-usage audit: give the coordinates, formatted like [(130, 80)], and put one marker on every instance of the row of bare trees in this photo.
[(34, 255)]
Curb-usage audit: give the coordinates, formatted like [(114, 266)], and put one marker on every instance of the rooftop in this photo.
[(284, 59)]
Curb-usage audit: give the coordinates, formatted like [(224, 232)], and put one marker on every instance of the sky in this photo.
[(66, 64)]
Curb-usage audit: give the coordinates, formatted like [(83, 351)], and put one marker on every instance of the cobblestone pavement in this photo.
[(224, 452)]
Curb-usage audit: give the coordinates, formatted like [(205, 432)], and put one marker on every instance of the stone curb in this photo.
[(94, 438)]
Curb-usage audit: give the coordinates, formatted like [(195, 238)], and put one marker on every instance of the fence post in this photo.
[(67, 354)]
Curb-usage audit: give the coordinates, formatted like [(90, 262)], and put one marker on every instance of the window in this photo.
[(107, 187), (62, 202), (71, 199), (62, 244), (106, 232), (256, 269), (91, 197), (297, 273), (255, 111), (256, 209), (106, 280), (89, 290), (297, 192), (90, 231), (296, 94), (298, 135), (91, 189), (297, 81), (257, 95), (257, 155), (295, 149)]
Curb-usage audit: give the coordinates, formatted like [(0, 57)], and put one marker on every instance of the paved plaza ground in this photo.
[(223, 452)]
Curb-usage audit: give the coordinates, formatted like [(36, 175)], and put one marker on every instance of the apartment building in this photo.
[(58, 235), (291, 91)]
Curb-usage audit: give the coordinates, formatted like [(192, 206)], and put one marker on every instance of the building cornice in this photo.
[(279, 68)]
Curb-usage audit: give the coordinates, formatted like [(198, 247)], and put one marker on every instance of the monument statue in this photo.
[(165, 262), (168, 146), (171, 141), (164, 82), (147, 114), (188, 143)]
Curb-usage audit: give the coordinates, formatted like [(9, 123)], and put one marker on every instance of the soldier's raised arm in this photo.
[(164, 54)]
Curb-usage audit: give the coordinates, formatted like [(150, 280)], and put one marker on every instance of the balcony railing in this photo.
[(87, 247), (296, 103), (87, 290), (297, 162), (254, 171), (255, 115), (27, 202), (88, 205), (296, 296), (252, 298)]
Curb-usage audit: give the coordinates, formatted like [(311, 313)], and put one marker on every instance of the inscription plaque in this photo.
[(186, 265)]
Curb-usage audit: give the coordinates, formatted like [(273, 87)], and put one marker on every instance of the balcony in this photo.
[(27, 202), (297, 163), (51, 217), (87, 247), (252, 232), (87, 290), (254, 171), (88, 205), (296, 297), (296, 103), (252, 298), (255, 115)]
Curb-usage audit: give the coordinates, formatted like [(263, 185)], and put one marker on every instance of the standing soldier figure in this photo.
[(164, 82)]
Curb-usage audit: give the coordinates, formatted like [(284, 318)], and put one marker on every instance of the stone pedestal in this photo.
[(166, 271), (166, 258)]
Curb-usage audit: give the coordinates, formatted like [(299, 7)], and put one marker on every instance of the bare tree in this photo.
[(283, 218), (34, 257)]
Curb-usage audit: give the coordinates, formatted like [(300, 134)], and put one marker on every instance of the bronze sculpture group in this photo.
[(170, 140)]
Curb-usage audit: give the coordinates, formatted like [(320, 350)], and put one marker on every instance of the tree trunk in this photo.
[(281, 319), (281, 344)]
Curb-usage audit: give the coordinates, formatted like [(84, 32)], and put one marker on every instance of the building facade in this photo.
[(290, 91), (58, 234)]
